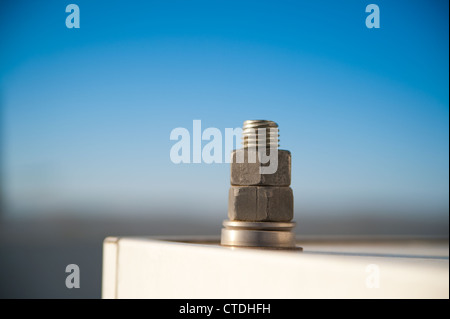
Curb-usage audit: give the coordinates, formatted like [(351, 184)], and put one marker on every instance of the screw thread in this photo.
[(253, 136)]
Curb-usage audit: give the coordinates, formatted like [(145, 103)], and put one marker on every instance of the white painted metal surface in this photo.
[(158, 268)]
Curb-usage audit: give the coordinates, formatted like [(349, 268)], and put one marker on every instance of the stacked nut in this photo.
[(255, 196)]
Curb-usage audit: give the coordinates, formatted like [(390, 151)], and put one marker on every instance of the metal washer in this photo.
[(278, 235)]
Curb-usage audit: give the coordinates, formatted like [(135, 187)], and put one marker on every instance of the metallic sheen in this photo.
[(258, 234), (253, 136)]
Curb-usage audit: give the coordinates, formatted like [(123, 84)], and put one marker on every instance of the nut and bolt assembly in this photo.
[(261, 202)]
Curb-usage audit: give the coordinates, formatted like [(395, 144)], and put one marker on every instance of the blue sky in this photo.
[(87, 113)]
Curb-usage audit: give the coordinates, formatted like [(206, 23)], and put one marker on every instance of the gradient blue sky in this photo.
[(87, 113)]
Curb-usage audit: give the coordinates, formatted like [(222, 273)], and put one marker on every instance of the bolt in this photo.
[(257, 133), (260, 206)]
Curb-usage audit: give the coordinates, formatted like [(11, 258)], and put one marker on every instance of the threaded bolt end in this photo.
[(256, 133)]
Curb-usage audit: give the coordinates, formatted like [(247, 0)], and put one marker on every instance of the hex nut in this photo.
[(248, 173), (261, 204)]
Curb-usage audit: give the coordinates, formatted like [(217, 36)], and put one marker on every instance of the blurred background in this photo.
[(86, 116)]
